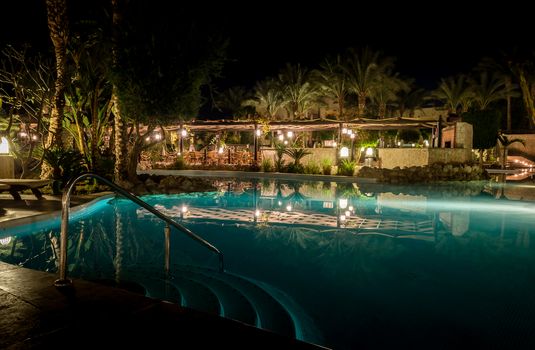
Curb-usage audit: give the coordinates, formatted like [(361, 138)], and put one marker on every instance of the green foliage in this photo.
[(347, 167), (158, 78), (312, 168), (178, 164), (485, 124), (367, 138), (409, 135), (267, 165), (279, 161), (65, 163), (326, 166)]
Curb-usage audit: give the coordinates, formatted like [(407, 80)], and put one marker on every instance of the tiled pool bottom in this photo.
[(367, 269)]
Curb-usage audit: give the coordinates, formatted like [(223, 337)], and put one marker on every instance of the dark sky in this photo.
[(430, 41)]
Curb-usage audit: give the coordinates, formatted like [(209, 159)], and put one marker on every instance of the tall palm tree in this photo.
[(364, 69), (409, 100), (332, 80), (298, 90), (120, 171), (267, 98), (487, 89), (502, 67), (233, 101), (58, 27), (455, 93), (386, 90)]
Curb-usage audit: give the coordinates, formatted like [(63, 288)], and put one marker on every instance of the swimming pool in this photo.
[(334, 264)]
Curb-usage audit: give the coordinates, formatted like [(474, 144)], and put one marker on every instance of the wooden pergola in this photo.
[(307, 125)]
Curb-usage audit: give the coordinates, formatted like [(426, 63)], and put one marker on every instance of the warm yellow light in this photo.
[(344, 131), (184, 209), (281, 137), (184, 133), (343, 203), (344, 152), (4, 146), (290, 134), (220, 150), (258, 132), (289, 207), (369, 152), (5, 240), (257, 213)]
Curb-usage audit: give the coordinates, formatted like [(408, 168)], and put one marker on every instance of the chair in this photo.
[(13, 186)]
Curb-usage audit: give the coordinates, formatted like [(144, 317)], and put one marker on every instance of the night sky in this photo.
[(430, 41)]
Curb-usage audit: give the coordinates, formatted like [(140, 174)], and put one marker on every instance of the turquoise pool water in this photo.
[(353, 267)]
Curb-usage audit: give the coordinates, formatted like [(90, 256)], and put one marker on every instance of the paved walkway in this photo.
[(13, 212), (35, 314)]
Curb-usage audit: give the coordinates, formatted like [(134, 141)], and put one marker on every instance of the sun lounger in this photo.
[(14, 186)]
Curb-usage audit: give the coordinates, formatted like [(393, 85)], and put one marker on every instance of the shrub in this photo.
[(347, 167), (312, 168), (267, 165), (326, 165), (178, 164)]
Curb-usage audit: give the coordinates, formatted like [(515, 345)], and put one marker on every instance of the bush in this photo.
[(312, 168), (326, 166), (267, 165), (178, 164), (347, 167)]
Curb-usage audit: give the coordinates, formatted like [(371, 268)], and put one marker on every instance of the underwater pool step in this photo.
[(196, 295), (271, 315), (234, 304), (156, 287)]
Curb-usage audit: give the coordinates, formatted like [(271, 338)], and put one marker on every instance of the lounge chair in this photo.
[(13, 186)]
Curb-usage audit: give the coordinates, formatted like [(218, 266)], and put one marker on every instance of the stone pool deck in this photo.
[(35, 314)]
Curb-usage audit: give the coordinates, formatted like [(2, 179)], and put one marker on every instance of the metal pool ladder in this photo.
[(63, 281)]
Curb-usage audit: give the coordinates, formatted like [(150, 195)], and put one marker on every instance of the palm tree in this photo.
[(388, 85), (298, 91), (490, 89), (120, 171), (503, 68), (233, 101), (364, 69), (333, 82), (410, 100), (455, 93), (58, 27), (506, 142), (267, 98)]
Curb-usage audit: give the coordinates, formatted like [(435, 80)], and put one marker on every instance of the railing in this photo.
[(63, 281)]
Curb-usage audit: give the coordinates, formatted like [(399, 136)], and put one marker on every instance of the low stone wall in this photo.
[(432, 173), (390, 158)]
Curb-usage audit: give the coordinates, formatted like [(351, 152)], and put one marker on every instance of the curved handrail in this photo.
[(65, 203)]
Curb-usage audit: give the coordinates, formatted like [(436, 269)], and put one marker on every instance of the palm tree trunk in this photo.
[(341, 108), (120, 170), (361, 104), (527, 97), (121, 159), (58, 28), (508, 99)]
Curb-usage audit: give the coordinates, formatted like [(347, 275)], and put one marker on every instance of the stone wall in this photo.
[(390, 158)]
